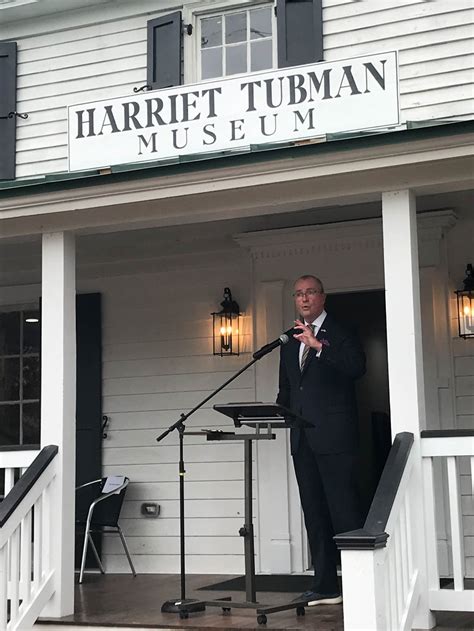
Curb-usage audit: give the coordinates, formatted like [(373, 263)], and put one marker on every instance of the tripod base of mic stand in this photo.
[(190, 605)]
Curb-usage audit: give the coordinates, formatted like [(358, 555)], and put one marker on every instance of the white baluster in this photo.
[(46, 498), (3, 586), (398, 569), (404, 549), (387, 593), (393, 592), (456, 524), (37, 538), (9, 484), (430, 524), (14, 575), (25, 572)]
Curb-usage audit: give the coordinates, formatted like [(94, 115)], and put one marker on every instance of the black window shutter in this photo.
[(164, 35), (88, 403), (7, 105), (299, 32)]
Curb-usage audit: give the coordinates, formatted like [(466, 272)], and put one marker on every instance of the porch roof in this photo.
[(408, 132)]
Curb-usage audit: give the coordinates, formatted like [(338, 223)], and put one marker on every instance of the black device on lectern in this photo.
[(261, 415)]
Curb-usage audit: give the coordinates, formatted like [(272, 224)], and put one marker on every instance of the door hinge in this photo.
[(105, 421)]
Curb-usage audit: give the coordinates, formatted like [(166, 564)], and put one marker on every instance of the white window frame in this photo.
[(194, 12)]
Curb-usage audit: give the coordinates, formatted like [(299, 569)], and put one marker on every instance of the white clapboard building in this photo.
[(156, 152)]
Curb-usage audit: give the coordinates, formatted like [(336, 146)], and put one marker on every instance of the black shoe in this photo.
[(313, 598)]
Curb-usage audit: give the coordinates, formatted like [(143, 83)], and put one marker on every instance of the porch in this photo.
[(120, 600), (157, 252)]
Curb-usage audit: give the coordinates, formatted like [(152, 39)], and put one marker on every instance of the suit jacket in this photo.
[(323, 394)]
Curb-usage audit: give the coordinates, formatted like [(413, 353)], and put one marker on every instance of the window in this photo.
[(249, 37), (20, 334), (235, 42)]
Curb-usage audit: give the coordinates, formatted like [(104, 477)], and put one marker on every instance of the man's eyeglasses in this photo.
[(309, 292)]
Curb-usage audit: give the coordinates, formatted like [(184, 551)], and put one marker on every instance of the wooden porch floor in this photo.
[(121, 600)]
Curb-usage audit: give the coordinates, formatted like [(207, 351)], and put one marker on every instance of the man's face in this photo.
[(309, 300)]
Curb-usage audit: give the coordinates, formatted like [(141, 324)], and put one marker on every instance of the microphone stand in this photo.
[(173, 605)]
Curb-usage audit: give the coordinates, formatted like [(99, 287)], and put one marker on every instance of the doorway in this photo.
[(364, 314)]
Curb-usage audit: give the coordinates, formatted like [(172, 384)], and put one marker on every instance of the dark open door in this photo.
[(89, 397), (364, 312)]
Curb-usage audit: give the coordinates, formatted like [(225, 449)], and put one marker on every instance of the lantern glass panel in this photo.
[(466, 313), (225, 334)]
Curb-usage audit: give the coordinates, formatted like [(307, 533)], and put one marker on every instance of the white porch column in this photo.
[(58, 406), (402, 300), (405, 358)]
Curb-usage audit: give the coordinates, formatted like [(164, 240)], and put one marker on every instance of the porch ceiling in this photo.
[(114, 252)]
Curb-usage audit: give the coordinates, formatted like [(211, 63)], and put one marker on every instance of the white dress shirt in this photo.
[(317, 324)]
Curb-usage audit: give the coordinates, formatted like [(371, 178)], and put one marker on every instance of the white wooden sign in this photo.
[(282, 105)]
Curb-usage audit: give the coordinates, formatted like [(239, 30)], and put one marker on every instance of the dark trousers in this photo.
[(329, 497)]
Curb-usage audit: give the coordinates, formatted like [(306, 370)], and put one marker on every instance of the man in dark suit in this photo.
[(317, 372)]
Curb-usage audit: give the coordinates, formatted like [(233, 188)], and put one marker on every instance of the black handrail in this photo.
[(446, 433), (372, 535), (26, 482)]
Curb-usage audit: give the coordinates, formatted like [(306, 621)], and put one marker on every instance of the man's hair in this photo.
[(312, 277)]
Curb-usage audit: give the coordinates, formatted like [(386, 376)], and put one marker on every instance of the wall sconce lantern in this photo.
[(465, 299), (226, 327)]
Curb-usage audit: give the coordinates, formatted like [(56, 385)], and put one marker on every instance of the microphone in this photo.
[(283, 339)]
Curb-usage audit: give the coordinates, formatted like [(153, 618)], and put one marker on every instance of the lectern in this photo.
[(263, 418)]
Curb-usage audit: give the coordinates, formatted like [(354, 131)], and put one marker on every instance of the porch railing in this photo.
[(14, 461), (26, 578), (380, 567), (454, 450)]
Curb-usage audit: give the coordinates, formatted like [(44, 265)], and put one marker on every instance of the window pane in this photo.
[(31, 378), (31, 332), (10, 333), (261, 55), (9, 424), (211, 63), (236, 59), (235, 28), (211, 32), (260, 23), (9, 379), (31, 424)]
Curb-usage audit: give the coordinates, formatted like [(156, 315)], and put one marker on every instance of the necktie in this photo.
[(305, 354)]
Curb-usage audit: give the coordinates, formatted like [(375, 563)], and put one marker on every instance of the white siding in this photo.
[(435, 41), (157, 363), (84, 56)]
